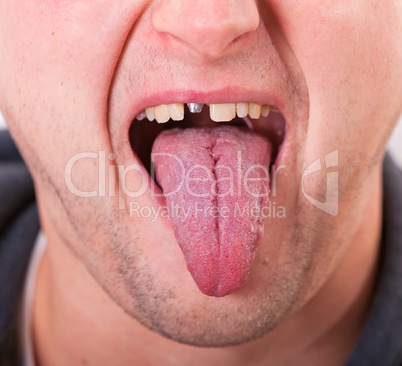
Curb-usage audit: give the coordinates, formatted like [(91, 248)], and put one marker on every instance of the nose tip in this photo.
[(207, 26)]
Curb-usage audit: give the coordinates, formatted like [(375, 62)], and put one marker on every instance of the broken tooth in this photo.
[(176, 111), (242, 109), (265, 109), (195, 107), (162, 113), (150, 113), (141, 116), (222, 112), (254, 110)]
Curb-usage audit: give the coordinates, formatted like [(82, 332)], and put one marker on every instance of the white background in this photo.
[(395, 143)]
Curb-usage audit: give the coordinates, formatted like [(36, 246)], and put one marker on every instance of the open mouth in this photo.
[(263, 119), (212, 164)]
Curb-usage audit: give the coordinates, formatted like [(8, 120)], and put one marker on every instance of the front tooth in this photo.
[(242, 110), (162, 113), (150, 113), (254, 110), (222, 112), (176, 111), (195, 107), (265, 109)]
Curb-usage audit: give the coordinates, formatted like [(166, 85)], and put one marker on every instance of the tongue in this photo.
[(216, 185)]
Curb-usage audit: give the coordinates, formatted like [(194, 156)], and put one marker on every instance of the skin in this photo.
[(115, 290)]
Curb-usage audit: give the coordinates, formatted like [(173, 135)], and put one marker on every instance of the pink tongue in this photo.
[(216, 183)]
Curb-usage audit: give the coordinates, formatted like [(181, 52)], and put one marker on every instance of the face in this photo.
[(76, 73)]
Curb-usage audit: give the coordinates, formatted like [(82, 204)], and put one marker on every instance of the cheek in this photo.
[(46, 39), (59, 59), (52, 40), (57, 72), (335, 40), (350, 54)]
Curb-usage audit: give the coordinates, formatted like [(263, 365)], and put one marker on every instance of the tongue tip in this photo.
[(221, 289), (220, 292)]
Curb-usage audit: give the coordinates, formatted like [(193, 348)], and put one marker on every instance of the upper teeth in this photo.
[(218, 112), (195, 107)]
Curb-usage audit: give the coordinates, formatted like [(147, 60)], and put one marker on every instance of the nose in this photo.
[(207, 26)]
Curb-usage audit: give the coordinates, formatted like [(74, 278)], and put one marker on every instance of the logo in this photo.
[(330, 205)]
